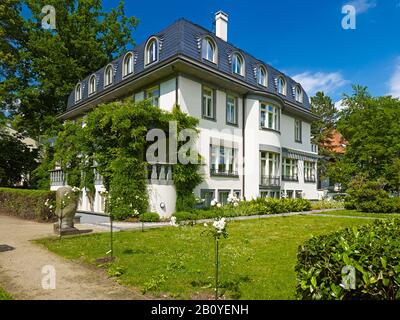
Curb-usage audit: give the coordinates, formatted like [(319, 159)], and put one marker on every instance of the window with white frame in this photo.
[(298, 94), (223, 196), (290, 169), (209, 51), (297, 130), (207, 195), (281, 83), (153, 94), (223, 160), (127, 68), (151, 51), (92, 84), (78, 92), (231, 110), (269, 116), (262, 78), (309, 171), (237, 64), (108, 75), (208, 108), (269, 168)]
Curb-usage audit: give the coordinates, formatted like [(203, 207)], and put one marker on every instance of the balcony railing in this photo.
[(310, 179), (57, 178), (294, 177), (270, 181), (159, 173), (223, 173)]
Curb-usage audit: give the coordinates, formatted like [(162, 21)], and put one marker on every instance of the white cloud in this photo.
[(394, 82), (339, 105), (320, 81), (362, 5)]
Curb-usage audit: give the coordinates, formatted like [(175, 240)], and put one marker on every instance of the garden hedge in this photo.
[(372, 251), (260, 206), (27, 204)]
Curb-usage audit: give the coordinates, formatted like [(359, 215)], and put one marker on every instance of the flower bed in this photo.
[(260, 206)]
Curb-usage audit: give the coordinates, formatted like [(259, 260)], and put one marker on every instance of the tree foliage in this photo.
[(39, 67)]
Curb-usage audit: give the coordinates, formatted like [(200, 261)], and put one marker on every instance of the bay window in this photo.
[(269, 117), (290, 169), (309, 171), (269, 168)]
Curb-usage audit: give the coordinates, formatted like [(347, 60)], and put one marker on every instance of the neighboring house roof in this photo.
[(336, 143), (29, 142), (183, 38)]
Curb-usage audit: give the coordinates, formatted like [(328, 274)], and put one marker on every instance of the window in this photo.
[(108, 75), (231, 110), (209, 51), (298, 94), (207, 195), (153, 94), (262, 76), (208, 103), (237, 64), (92, 84), (127, 67), (223, 161), (281, 85), (237, 193), (289, 194), (270, 194), (309, 171), (289, 169), (78, 92), (299, 194), (269, 116), (223, 196), (151, 51), (297, 130), (269, 168)]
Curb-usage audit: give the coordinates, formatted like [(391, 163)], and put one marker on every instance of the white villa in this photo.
[(255, 122)]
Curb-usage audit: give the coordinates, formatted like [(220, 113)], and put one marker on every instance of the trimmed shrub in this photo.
[(327, 204), (260, 206), (27, 204), (149, 217), (382, 205), (372, 251)]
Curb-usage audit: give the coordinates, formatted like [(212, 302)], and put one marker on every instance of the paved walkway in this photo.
[(21, 268)]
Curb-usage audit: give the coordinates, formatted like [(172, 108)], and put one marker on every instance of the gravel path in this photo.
[(21, 268)]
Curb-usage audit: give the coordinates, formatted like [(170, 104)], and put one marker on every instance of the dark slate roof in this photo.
[(184, 38)]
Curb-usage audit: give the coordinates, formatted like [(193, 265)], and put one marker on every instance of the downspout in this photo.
[(243, 143)]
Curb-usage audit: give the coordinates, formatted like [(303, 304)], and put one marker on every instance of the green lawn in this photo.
[(354, 213), (4, 295), (257, 260)]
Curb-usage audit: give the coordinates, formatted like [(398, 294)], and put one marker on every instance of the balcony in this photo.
[(159, 173), (293, 178), (311, 179), (57, 178), (270, 181), (223, 173)]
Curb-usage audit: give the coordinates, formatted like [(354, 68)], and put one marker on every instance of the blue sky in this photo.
[(304, 39)]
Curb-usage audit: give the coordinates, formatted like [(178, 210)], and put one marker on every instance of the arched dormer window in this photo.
[(151, 52), (262, 76), (78, 92), (281, 85), (108, 75), (209, 50), (237, 64), (127, 65), (92, 84), (298, 94)]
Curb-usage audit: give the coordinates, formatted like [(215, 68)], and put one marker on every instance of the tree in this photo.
[(372, 128), (39, 67), (16, 160), (322, 130)]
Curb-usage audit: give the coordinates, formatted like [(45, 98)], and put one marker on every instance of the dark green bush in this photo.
[(382, 205), (27, 204), (372, 250), (149, 217)]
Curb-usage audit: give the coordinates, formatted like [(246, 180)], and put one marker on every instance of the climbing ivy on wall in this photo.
[(113, 140)]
